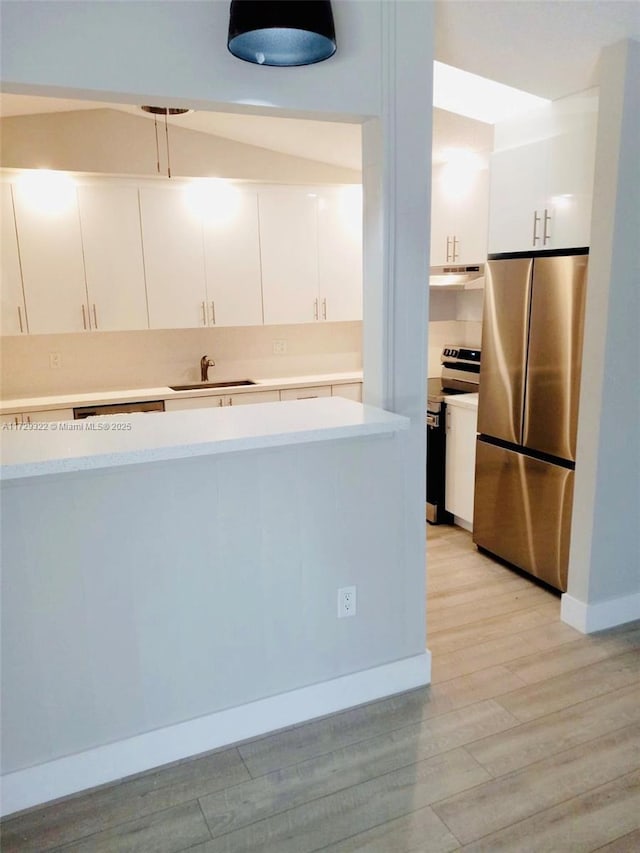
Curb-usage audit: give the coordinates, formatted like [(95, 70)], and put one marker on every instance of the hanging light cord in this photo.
[(166, 131), (155, 121)]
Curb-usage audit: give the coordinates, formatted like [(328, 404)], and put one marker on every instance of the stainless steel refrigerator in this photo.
[(527, 410)]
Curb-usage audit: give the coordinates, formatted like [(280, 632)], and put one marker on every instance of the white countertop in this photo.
[(463, 401), (100, 443), (139, 395)]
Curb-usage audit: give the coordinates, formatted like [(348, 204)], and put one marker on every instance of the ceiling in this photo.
[(549, 48)]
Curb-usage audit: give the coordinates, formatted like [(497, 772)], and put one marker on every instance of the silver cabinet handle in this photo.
[(448, 242), (455, 253), (315, 309), (545, 234), (84, 318), (536, 219), (95, 316), (213, 312), (324, 309), (20, 319), (221, 402), (204, 314), (28, 419), (16, 421), (231, 401)]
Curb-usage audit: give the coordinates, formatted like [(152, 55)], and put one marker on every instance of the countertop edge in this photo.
[(314, 420)]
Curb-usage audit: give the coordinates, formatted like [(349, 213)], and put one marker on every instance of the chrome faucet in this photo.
[(205, 364)]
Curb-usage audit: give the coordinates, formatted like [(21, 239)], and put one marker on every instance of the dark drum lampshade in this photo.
[(282, 32)]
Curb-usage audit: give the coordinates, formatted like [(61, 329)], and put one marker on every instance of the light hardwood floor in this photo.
[(528, 740)]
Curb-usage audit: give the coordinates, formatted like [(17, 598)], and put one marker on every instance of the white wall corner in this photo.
[(599, 615), (63, 776)]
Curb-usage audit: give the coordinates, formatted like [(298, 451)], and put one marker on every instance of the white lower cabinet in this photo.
[(219, 400), (37, 417), (461, 461), (305, 393), (349, 390)]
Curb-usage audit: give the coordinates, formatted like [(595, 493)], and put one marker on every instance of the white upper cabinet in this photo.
[(50, 241), (110, 220), (340, 253), (459, 214), (13, 317), (542, 178), (311, 252), (232, 259), (173, 258), (289, 254)]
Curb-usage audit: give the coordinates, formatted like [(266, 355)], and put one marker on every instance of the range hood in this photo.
[(457, 276)]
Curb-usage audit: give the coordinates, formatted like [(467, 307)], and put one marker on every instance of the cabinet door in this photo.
[(570, 187), (340, 253), (289, 256), (13, 318), (173, 258), (472, 220), (48, 415), (204, 402), (460, 462), (305, 393), (232, 263), (349, 390), (443, 217), (52, 266), (253, 397), (517, 194), (110, 221)]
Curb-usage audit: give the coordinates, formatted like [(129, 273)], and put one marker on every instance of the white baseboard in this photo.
[(34, 785), (461, 522), (600, 615)]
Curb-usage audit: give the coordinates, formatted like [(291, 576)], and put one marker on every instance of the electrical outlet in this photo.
[(346, 601), (55, 360), (279, 347)]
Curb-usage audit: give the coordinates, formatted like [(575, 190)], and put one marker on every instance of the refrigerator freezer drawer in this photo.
[(522, 511)]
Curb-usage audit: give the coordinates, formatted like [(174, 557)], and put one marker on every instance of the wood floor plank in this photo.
[(293, 745), (451, 639), (419, 832), (545, 697), (581, 723), (626, 844), (340, 769), (170, 831), (494, 805), (74, 818), (574, 655), (583, 823), (328, 820), (499, 605), (502, 650)]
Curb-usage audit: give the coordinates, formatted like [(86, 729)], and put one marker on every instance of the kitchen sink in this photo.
[(198, 385)]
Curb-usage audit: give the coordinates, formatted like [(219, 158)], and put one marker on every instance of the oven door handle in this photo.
[(433, 421)]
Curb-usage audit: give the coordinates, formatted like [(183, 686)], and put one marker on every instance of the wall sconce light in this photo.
[(281, 32)]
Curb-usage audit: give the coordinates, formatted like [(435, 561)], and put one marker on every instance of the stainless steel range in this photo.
[(460, 375)]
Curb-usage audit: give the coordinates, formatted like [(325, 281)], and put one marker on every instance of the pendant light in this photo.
[(164, 111), (282, 32)]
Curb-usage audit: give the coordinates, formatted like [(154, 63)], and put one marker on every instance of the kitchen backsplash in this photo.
[(102, 361)]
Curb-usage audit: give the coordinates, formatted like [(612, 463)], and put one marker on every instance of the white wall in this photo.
[(604, 570), (151, 358), (104, 50)]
